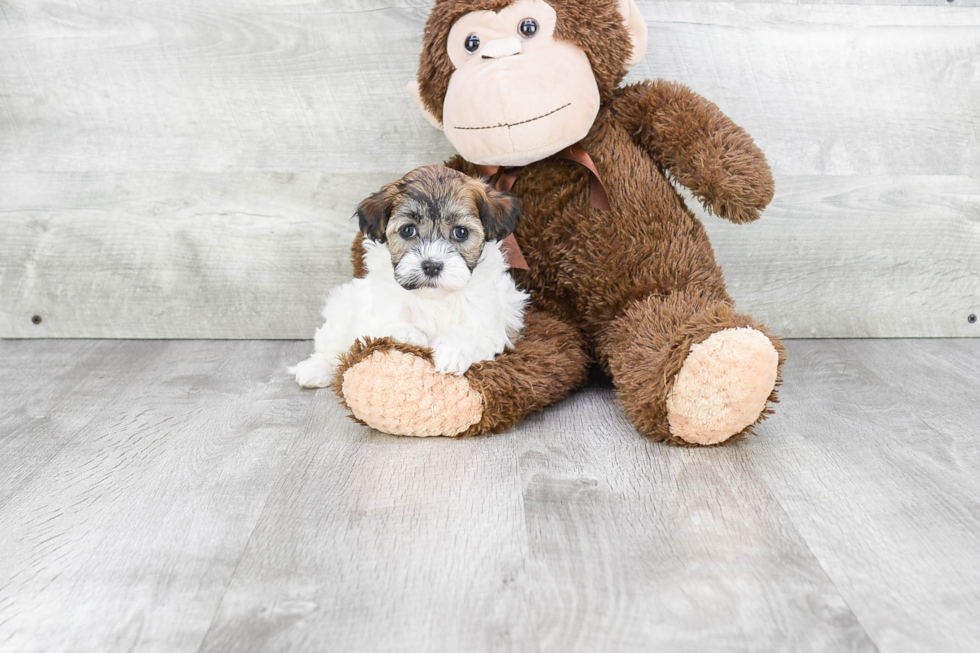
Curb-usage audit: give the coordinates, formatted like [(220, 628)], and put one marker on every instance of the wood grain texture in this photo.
[(28, 402), (876, 464), (688, 551), (185, 496), (137, 490), (392, 544), (246, 255), (189, 169)]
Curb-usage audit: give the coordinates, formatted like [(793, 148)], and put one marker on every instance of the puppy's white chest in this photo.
[(408, 315), (433, 315)]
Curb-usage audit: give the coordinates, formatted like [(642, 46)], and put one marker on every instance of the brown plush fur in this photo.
[(357, 257), (547, 364), (656, 334), (635, 286)]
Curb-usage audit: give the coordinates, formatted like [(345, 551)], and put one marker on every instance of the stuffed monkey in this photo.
[(620, 271)]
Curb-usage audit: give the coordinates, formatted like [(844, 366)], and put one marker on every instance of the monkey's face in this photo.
[(517, 94)]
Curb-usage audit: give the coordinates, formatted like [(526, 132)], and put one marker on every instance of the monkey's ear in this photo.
[(413, 90), (499, 213), (637, 28), (373, 214)]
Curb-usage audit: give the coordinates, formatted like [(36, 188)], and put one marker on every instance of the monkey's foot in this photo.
[(395, 389), (723, 386)]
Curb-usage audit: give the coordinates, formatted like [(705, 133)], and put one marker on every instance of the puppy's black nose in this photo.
[(431, 268)]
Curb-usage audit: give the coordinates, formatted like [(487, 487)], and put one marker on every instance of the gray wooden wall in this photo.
[(189, 168)]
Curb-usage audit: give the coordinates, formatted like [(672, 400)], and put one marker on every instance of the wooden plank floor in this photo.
[(186, 496)]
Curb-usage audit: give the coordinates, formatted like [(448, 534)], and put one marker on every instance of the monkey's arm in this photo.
[(699, 146)]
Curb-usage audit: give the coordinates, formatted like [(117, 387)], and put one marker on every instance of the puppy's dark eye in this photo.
[(472, 43), (528, 28), (461, 233), (408, 232)]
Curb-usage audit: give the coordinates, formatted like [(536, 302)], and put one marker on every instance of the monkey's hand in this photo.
[(698, 146)]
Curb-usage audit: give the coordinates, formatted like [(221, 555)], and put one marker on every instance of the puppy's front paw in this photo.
[(451, 356), (315, 372)]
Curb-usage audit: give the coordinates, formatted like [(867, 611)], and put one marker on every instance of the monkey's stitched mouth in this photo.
[(514, 124)]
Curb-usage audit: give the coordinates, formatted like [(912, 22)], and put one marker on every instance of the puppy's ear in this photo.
[(374, 212), (499, 213)]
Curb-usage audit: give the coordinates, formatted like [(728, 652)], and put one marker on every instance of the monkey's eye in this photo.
[(528, 28), (461, 233), (408, 231), (472, 43)]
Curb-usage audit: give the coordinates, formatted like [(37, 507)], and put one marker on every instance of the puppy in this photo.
[(436, 276)]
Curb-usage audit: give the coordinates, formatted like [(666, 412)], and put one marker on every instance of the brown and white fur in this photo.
[(436, 276)]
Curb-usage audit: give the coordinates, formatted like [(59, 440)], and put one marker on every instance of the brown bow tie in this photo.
[(504, 179)]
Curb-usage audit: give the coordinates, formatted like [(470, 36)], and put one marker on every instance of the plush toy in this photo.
[(620, 271)]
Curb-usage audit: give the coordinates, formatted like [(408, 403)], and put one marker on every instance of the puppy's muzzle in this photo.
[(432, 264)]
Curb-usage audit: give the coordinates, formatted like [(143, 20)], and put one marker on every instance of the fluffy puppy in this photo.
[(436, 276)]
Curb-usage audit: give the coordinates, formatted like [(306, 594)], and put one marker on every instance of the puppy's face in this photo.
[(435, 222)]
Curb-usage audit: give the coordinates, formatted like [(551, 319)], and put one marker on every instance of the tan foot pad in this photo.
[(402, 394), (723, 386)]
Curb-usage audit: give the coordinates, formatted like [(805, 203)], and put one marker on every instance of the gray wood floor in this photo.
[(185, 496)]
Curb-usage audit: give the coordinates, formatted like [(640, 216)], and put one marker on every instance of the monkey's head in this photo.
[(514, 81)]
